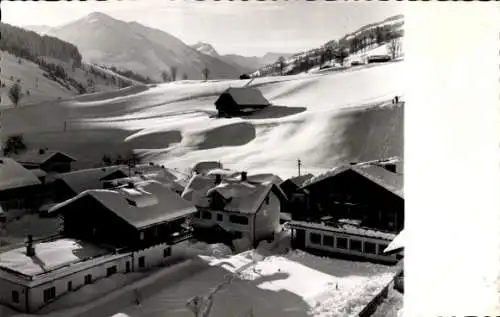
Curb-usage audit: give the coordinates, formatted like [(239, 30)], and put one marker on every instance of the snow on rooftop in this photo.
[(149, 202), (346, 228), (49, 256), (14, 175), (244, 196), (397, 243)]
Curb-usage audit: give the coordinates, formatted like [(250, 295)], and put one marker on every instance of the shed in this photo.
[(241, 100), (47, 160)]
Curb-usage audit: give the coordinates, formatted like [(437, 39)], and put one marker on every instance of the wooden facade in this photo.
[(350, 195)]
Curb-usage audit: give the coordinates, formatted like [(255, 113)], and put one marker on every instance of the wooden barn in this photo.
[(140, 214), (45, 160), (240, 101), (19, 187), (371, 194)]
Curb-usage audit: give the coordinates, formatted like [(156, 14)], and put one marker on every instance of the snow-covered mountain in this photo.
[(104, 40), (206, 49), (249, 62)]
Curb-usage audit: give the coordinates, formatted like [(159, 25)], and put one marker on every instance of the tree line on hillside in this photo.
[(338, 51), (30, 45)]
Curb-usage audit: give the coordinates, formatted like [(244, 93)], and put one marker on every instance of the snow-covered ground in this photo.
[(269, 281), (319, 118)]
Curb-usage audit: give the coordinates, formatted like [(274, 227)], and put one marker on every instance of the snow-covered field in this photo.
[(320, 119)]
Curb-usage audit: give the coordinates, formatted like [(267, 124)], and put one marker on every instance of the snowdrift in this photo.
[(320, 118)]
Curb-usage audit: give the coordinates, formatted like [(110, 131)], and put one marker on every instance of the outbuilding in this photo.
[(240, 101)]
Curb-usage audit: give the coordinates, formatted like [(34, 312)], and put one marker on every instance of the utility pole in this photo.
[(299, 164)]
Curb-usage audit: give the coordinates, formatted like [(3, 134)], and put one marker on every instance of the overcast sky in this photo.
[(246, 28)]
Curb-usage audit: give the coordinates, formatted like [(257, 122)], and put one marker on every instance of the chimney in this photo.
[(243, 176), (30, 249), (151, 164), (353, 163), (218, 179), (41, 151), (130, 185)]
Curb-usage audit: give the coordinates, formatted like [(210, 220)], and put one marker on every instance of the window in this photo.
[(370, 248), (267, 200), (242, 220), (15, 297), (70, 286), (167, 252), (342, 243), (206, 215), (49, 294), (142, 262), (381, 248), (315, 238), (356, 245), (328, 241), (88, 279), (111, 270), (220, 217), (127, 267)]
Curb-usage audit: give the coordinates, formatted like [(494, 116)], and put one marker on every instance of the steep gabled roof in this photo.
[(246, 96), (397, 244), (241, 196), (79, 181), (14, 175), (393, 182), (146, 204), (36, 157)]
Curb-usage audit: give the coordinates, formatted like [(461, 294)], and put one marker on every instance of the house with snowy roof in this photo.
[(353, 210), (240, 101), (45, 160), (236, 206), (19, 187), (141, 214), (147, 220)]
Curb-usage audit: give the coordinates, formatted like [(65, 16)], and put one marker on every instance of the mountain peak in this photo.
[(205, 48), (97, 16)]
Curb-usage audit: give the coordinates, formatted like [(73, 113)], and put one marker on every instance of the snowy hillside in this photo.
[(104, 40), (321, 119), (37, 87), (395, 22)]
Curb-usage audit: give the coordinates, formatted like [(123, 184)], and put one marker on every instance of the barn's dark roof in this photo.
[(146, 204), (394, 182), (247, 96), (37, 157)]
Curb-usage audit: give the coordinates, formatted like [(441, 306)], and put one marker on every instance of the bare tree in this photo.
[(173, 73), (281, 64), (165, 76), (206, 72), (394, 47), (15, 94)]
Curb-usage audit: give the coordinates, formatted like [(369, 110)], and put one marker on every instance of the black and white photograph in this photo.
[(213, 158)]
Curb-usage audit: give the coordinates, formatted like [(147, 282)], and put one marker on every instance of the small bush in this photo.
[(14, 145)]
